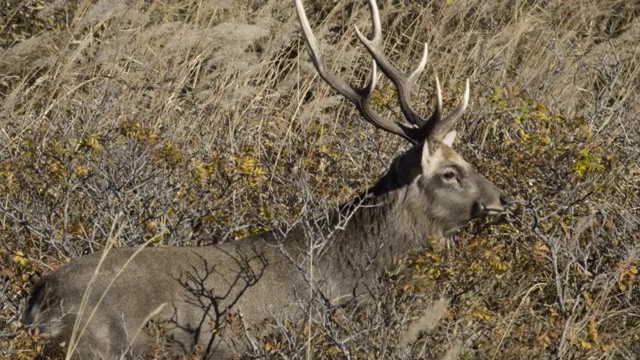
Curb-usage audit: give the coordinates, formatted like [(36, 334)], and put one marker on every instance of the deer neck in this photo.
[(380, 226)]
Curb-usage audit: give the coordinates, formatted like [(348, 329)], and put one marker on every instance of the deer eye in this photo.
[(449, 175)]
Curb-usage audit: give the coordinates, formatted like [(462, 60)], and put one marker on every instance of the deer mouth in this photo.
[(480, 210), (492, 212)]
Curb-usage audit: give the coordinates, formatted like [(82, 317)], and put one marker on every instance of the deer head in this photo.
[(438, 183)]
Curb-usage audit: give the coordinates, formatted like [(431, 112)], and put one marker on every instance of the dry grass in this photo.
[(204, 121)]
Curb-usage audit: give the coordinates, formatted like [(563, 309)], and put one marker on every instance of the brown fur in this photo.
[(190, 290)]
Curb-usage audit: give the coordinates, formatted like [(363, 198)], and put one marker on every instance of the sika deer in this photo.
[(99, 305)]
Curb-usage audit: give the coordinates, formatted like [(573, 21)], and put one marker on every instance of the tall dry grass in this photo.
[(198, 122)]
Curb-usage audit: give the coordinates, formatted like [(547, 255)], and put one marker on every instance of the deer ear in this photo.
[(425, 157), (450, 138)]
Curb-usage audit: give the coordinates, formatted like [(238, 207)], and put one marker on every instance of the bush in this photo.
[(192, 123)]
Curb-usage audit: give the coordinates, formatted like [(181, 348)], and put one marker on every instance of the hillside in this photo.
[(194, 123)]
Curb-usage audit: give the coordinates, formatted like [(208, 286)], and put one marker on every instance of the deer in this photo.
[(102, 304)]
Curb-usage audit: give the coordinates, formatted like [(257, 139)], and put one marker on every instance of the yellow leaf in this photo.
[(592, 330), (82, 171), (546, 140), (20, 258), (540, 247), (606, 347)]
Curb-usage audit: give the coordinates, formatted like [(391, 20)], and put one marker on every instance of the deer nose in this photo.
[(505, 200)]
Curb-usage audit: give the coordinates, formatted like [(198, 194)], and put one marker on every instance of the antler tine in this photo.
[(358, 96), (403, 82), (435, 126), (437, 112), (440, 128)]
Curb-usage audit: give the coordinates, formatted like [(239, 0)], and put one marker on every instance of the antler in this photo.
[(418, 129)]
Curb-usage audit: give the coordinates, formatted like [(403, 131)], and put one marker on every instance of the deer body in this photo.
[(200, 295), (189, 288)]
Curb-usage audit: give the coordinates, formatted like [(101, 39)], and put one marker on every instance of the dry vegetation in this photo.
[(199, 122)]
